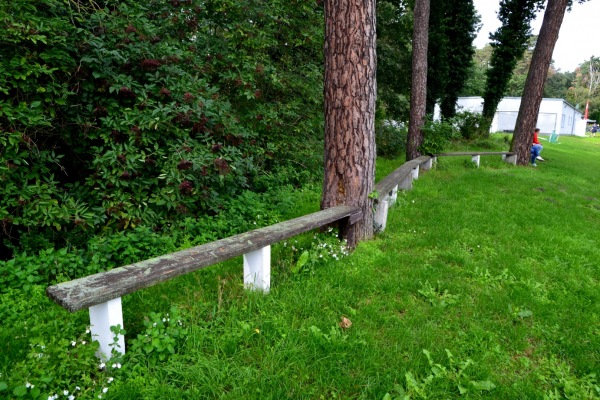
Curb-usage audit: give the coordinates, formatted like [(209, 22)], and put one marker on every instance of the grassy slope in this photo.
[(496, 265), (494, 271)]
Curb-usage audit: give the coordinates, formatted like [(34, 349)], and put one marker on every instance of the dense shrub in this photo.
[(437, 136), (468, 124), (121, 114), (390, 140)]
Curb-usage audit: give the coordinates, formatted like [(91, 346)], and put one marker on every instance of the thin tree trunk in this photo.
[(534, 85), (350, 92), (418, 91)]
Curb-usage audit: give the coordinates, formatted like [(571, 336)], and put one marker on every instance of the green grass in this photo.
[(485, 284)]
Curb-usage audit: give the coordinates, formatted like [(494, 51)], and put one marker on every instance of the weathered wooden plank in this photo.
[(391, 181), (475, 153), (99, 288)]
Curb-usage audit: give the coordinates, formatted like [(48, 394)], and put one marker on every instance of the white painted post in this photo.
[(102, 317), (380, 218), (476, 159), (511, 159), (415, 172), (257, 269), (393, 195), (406, 183), (427, 164), (434, 160)]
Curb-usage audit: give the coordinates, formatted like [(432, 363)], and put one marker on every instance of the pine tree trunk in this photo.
[(350, 92), (418, 91), (536, 77)]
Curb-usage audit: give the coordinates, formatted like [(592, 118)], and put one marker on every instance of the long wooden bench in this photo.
[(507, 156), (101, 293)]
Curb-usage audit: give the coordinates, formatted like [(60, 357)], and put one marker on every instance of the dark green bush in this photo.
[(390, 140), (437, 136), (122, 114), (468, 124)]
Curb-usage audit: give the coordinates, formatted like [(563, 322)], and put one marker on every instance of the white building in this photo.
[(555, 115)]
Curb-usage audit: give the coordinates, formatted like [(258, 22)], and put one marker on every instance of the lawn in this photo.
[(485, 284)]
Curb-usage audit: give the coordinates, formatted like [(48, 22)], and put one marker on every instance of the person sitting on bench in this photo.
[(536, 148)]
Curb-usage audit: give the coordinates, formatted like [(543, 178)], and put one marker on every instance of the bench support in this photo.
[(427, 165), (415, 172), (102, 317), (510, 158), (380, 217), (393, 195), (476, 158), (257, 269)]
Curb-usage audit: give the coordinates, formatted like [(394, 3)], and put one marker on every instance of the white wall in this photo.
[(555, 114)]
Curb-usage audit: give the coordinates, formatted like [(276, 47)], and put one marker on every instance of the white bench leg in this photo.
[(427, 164), (393, 195), (476, 160), (415, 172), (406, 183), (511, 159), (380, 217), (102, 317), (257, 269)]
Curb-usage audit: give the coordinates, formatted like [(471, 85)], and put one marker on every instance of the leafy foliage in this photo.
[(391, 139), (437, 136), (112, 118), (453, 26), (394, 35), (585, 86)]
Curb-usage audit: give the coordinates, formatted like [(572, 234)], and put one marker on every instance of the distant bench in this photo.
[(507, 156), (102, 292)]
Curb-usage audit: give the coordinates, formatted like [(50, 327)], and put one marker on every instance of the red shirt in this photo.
[(535, 138)]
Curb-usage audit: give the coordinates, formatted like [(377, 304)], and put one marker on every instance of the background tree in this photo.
[(558, 84), (509, 43), (453, 27), (585, 88), (534, 86), (394, 35), (475, 84), (350, 91), (418, 92), (516, 83)]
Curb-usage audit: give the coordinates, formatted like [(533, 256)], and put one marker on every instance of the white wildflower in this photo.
[(104, 390), (65, 392), (102, 365), (73, 343)]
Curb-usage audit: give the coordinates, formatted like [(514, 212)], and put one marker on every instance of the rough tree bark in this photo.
[(350, 93), (534, 85), (418, 91)]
